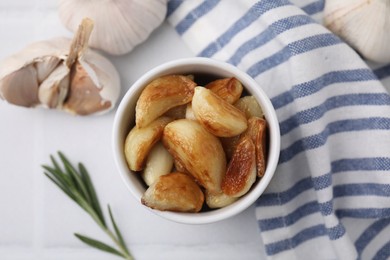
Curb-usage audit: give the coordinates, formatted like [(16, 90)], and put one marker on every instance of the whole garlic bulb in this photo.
[(61, 73), (363, 24), (120, 25)]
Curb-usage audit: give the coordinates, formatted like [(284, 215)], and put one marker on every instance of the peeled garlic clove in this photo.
[(120, 25), (159, 162), (363, 24), (241, 171), (178, 112), (20, 87), (199, 151), (162, 94), (179, 166), (249, 106), (218, 200), (216, 115), (140, 141), (229, 89), (189, 112), (191, 77), (257, 132), (175, 192), (229, 145)]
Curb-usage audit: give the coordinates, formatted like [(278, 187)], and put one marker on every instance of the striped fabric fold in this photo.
[(330, 196)]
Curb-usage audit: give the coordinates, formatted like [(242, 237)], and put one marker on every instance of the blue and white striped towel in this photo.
[(330, 196)]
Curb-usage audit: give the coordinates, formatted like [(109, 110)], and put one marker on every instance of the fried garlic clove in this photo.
[(257, 131), (215, 114), (162, 94), (140, 141), (199, 151), (179, 166), (189, 112), (159, 162), (249, 106), (229, 145), (174, 192), (218, 200), (229, 89), (241, 170), (178, 112)]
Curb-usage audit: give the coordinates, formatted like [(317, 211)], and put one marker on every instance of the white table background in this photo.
[(37, 221)]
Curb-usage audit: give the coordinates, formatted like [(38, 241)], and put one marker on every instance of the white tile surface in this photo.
[(36, 220)]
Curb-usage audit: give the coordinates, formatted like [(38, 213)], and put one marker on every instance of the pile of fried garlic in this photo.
[(193, 144)]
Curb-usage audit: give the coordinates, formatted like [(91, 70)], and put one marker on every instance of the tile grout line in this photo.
[(38, 188), (38, 240)]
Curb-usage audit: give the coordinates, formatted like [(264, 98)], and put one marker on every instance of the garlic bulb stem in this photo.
[(80, 41)]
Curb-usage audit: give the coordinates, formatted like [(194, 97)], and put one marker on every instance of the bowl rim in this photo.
[(274, 134)]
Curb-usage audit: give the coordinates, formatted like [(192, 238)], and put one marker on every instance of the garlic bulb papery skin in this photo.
[(103, 89), (363, 24), (61, 73), (22, 73), (120, 25)]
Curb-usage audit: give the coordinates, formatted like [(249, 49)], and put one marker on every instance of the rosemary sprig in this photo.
[(77, 184)]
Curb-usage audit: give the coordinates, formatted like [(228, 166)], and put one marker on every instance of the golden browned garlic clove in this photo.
[(199, 151), (216, 115), (175, 192), (229, 89), (249, 106), (229, 145), (219, 200), (159, 162), (257, 131), (179, 166), (189, 112), (140, 141), (178, 112), (162, 94), (241, 171)]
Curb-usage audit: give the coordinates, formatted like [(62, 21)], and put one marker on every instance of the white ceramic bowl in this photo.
[(124, 121)]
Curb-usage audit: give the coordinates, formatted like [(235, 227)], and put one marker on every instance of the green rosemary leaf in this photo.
[(117, 232), (62, 187), (91, 190), (99, 245), (58, 175), (54, 162), (89, 209), (75, 175), (78, 186), (69, 179)]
